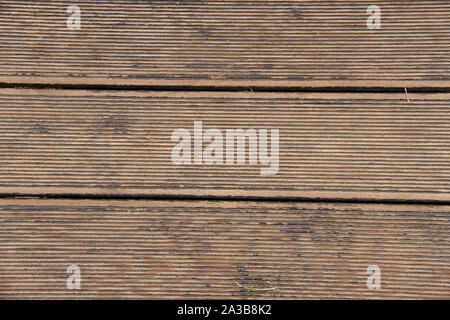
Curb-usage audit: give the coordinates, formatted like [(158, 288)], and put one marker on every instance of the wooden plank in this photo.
[(346, 146), (177, 249), (236, 43)]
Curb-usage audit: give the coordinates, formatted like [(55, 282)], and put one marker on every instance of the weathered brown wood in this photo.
[(332, 146), (178, 249), (365, 146), (236, 43)]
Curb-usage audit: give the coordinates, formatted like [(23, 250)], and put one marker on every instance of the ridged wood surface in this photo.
[(365, 146), (111, 144), (178, 249), (266, 43)]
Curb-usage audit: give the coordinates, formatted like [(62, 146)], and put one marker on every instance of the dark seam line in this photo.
[(212, 88), (70, 196)]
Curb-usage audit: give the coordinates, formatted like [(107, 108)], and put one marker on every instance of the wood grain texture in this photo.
[(250, 43), (349, 146), (177, 249)]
